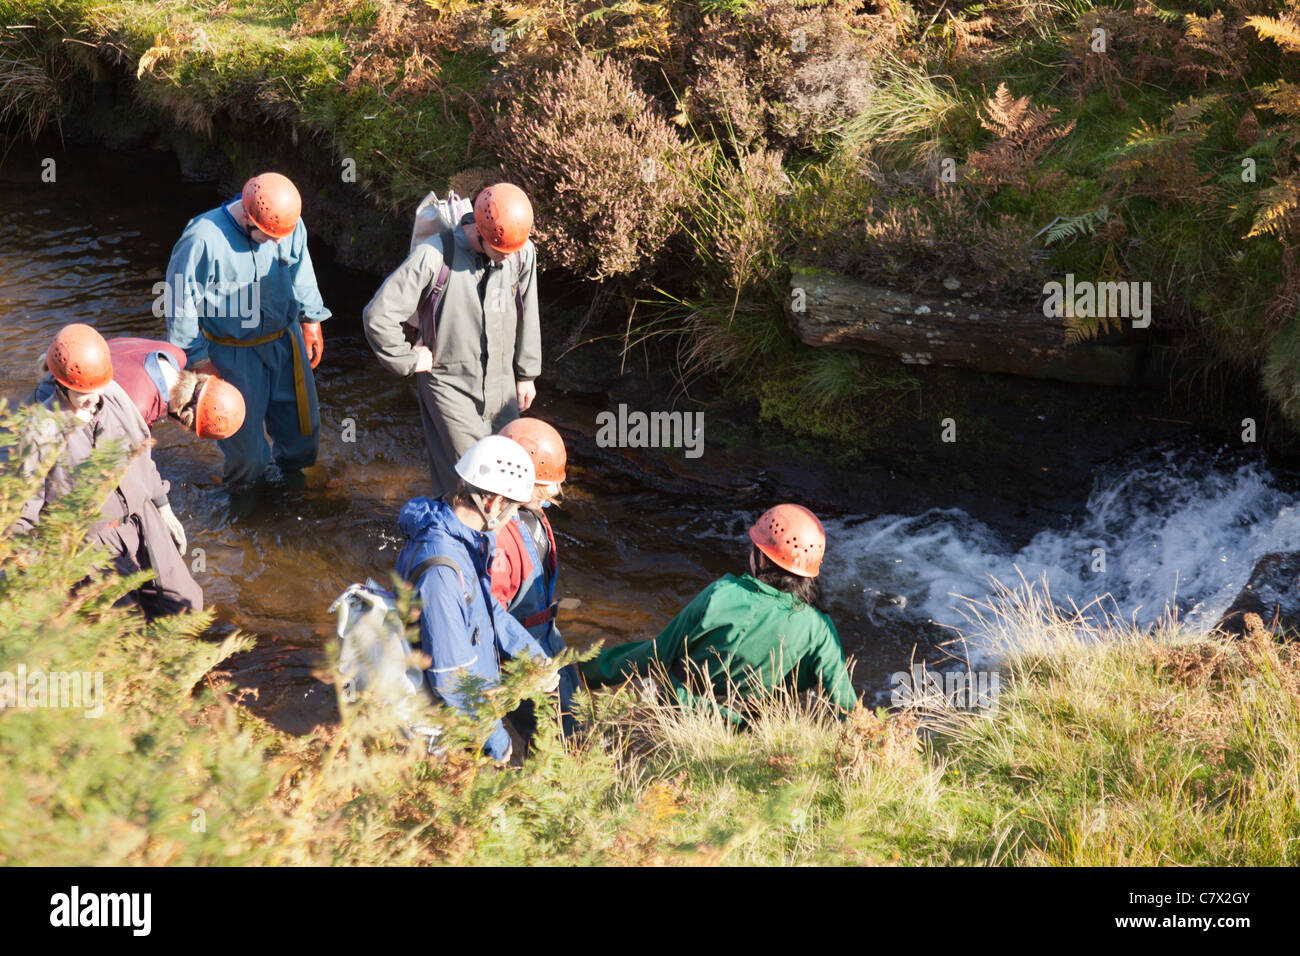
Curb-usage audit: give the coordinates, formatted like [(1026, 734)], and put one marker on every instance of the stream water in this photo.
[(1180, 525)]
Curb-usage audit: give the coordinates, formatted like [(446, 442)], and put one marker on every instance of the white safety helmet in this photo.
[(498, 466)]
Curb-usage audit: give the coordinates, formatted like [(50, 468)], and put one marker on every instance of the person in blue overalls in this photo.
[(241, 300), (526, 563)]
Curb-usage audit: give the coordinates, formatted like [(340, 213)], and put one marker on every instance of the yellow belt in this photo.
[(299, 378)]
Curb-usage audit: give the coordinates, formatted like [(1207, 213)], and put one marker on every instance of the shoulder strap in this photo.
[(444, 275), (517, 260), (430, 314), (440, 560), (537, 531)]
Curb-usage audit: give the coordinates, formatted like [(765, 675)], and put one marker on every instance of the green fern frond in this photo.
[(1076, 226), (1145, 136), (1168, 16), (1282, 98), (1184, 115)]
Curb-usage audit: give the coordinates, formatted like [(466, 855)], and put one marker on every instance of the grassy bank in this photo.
[(685, 157), (1105, 746)]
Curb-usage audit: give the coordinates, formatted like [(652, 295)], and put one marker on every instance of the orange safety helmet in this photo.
[(273, 203), (79, 358), (792, 537), (543, 443), (504, 217), (220, 411)]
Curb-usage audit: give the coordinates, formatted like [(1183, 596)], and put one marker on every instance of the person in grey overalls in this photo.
[(475, 348), (136, 525)]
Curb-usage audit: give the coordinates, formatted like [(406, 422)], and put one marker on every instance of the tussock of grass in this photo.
[(29, 88), (906, 115), (1138, 747)]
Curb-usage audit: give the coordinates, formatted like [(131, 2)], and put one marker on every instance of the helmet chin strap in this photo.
[(490, 522)]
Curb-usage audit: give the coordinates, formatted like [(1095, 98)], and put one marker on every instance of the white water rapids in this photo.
[(1178, 529)]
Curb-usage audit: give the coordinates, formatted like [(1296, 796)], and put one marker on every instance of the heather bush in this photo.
[(781, 73), (819, 95), (728, 104), (600, 160)]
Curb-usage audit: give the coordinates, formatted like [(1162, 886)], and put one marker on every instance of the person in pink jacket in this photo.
[(153, 374)]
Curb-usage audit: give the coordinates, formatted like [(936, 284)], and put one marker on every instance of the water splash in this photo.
[(1176, 528)]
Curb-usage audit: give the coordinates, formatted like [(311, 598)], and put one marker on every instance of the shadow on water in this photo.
[(91, 246)]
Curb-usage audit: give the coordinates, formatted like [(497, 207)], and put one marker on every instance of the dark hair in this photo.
[(462, 494), (807, 590)]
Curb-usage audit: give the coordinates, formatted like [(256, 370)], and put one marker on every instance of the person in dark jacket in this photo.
[(447, 558), (138, 527), (748, 634)]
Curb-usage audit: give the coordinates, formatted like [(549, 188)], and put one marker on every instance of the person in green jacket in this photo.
[(748, 634)]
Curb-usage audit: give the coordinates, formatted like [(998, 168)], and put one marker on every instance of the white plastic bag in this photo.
[(435, 215), (376, 659)]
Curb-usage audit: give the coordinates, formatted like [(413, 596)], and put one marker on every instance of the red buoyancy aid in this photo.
[(129, 356), (533, 602)]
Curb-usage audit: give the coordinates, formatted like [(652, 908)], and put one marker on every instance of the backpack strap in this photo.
[(440, 560), (429, 314), (517, 260)]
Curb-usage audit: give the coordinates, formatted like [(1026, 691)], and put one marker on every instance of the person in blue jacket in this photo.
[(447, 558), (241, 300)]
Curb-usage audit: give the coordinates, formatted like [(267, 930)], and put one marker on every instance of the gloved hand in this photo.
[(311, 335), (423, 359), (174, 527)]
